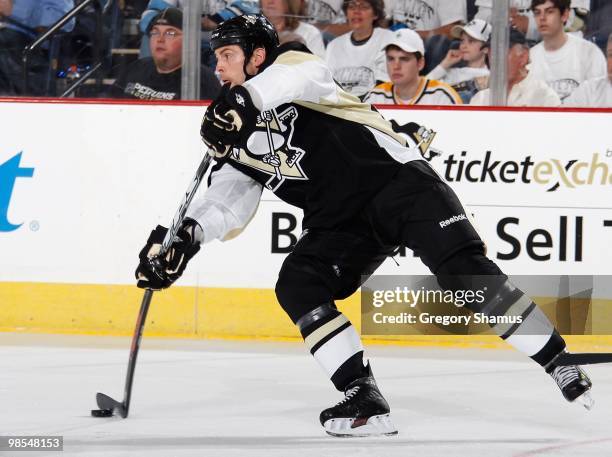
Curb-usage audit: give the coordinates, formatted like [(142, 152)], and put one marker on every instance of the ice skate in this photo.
[(363, 412), (574, 383)]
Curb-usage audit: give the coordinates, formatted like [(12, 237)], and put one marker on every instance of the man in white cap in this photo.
[(405, 55), (473, 50)]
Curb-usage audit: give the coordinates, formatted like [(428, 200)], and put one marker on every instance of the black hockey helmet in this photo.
[(249, 31)]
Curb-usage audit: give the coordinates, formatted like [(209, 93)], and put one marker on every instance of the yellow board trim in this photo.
[(190, 312)]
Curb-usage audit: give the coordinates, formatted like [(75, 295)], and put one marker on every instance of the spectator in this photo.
[(428, 17), (473, 51), (599, 24), (524, 89), (597, 92), (213, 13), (405, 55), (6, 7), (433, 19), (159, 77), (328, 16), (562, 60), (26, 20), (521, 16), (356, 58), (283, 14)]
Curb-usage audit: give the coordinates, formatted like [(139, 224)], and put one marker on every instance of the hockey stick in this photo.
[(583, 358), (109, 406), (274, 181)]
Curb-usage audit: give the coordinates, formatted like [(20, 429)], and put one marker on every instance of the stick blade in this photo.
[(102, 412), (107, 403)]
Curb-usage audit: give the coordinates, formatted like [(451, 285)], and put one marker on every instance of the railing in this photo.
[(53, 30)]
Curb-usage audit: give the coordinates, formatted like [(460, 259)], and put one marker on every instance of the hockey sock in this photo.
[(528, 330), (334, 343)]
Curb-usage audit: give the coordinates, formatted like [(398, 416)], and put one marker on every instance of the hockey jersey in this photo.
[(429, 92), (315, 146)]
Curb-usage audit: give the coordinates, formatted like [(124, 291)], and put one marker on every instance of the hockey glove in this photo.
[(157, 273), (228, 120)]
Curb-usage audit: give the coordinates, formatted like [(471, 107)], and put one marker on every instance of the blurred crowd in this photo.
[(401, 52)]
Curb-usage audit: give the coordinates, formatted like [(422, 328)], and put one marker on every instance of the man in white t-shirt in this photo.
[(428, 17), (356, 58), (521, 16), (597, 92), (562, 60), (523, 88)]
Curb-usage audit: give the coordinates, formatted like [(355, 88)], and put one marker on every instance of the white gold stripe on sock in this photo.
[(338, 350), (324, 330)]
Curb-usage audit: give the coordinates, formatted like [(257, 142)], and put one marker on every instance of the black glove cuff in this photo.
[(189, 228)]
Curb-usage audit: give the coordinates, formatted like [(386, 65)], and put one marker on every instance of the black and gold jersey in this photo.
[(314, 145)]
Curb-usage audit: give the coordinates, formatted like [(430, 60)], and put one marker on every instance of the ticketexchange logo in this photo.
[(552, 173), (9, 172)]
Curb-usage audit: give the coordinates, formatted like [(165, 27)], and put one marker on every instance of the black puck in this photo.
[(101, 412)]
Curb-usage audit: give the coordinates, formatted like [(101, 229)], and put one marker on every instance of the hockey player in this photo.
[(282, 123)]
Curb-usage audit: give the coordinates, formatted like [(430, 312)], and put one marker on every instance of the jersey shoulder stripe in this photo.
[(433, 86)]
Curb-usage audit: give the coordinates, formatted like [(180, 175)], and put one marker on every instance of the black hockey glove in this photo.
[(228, 119), (157, 273)]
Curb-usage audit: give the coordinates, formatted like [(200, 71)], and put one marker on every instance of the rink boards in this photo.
[(83, 184)]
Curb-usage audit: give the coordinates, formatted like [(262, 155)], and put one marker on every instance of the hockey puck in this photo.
[(101, 412)]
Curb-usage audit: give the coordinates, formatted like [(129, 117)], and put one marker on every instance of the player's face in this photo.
[(273, 8), (360, 15), (403, 67), (549, 19), (230, 64), (609, 53), (471, 49), (166, 45)]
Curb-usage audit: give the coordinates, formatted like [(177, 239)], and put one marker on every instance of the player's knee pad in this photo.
[(301, 286)]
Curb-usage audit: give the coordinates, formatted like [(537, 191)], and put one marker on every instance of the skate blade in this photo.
[(380, 425), (586, 400)]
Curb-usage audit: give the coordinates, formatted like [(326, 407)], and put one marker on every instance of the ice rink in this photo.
[(210, 398)]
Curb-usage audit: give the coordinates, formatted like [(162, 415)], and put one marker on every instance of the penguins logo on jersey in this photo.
[(268, 148)]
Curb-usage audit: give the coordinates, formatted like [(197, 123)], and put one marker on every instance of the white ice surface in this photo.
[(206, 398)]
